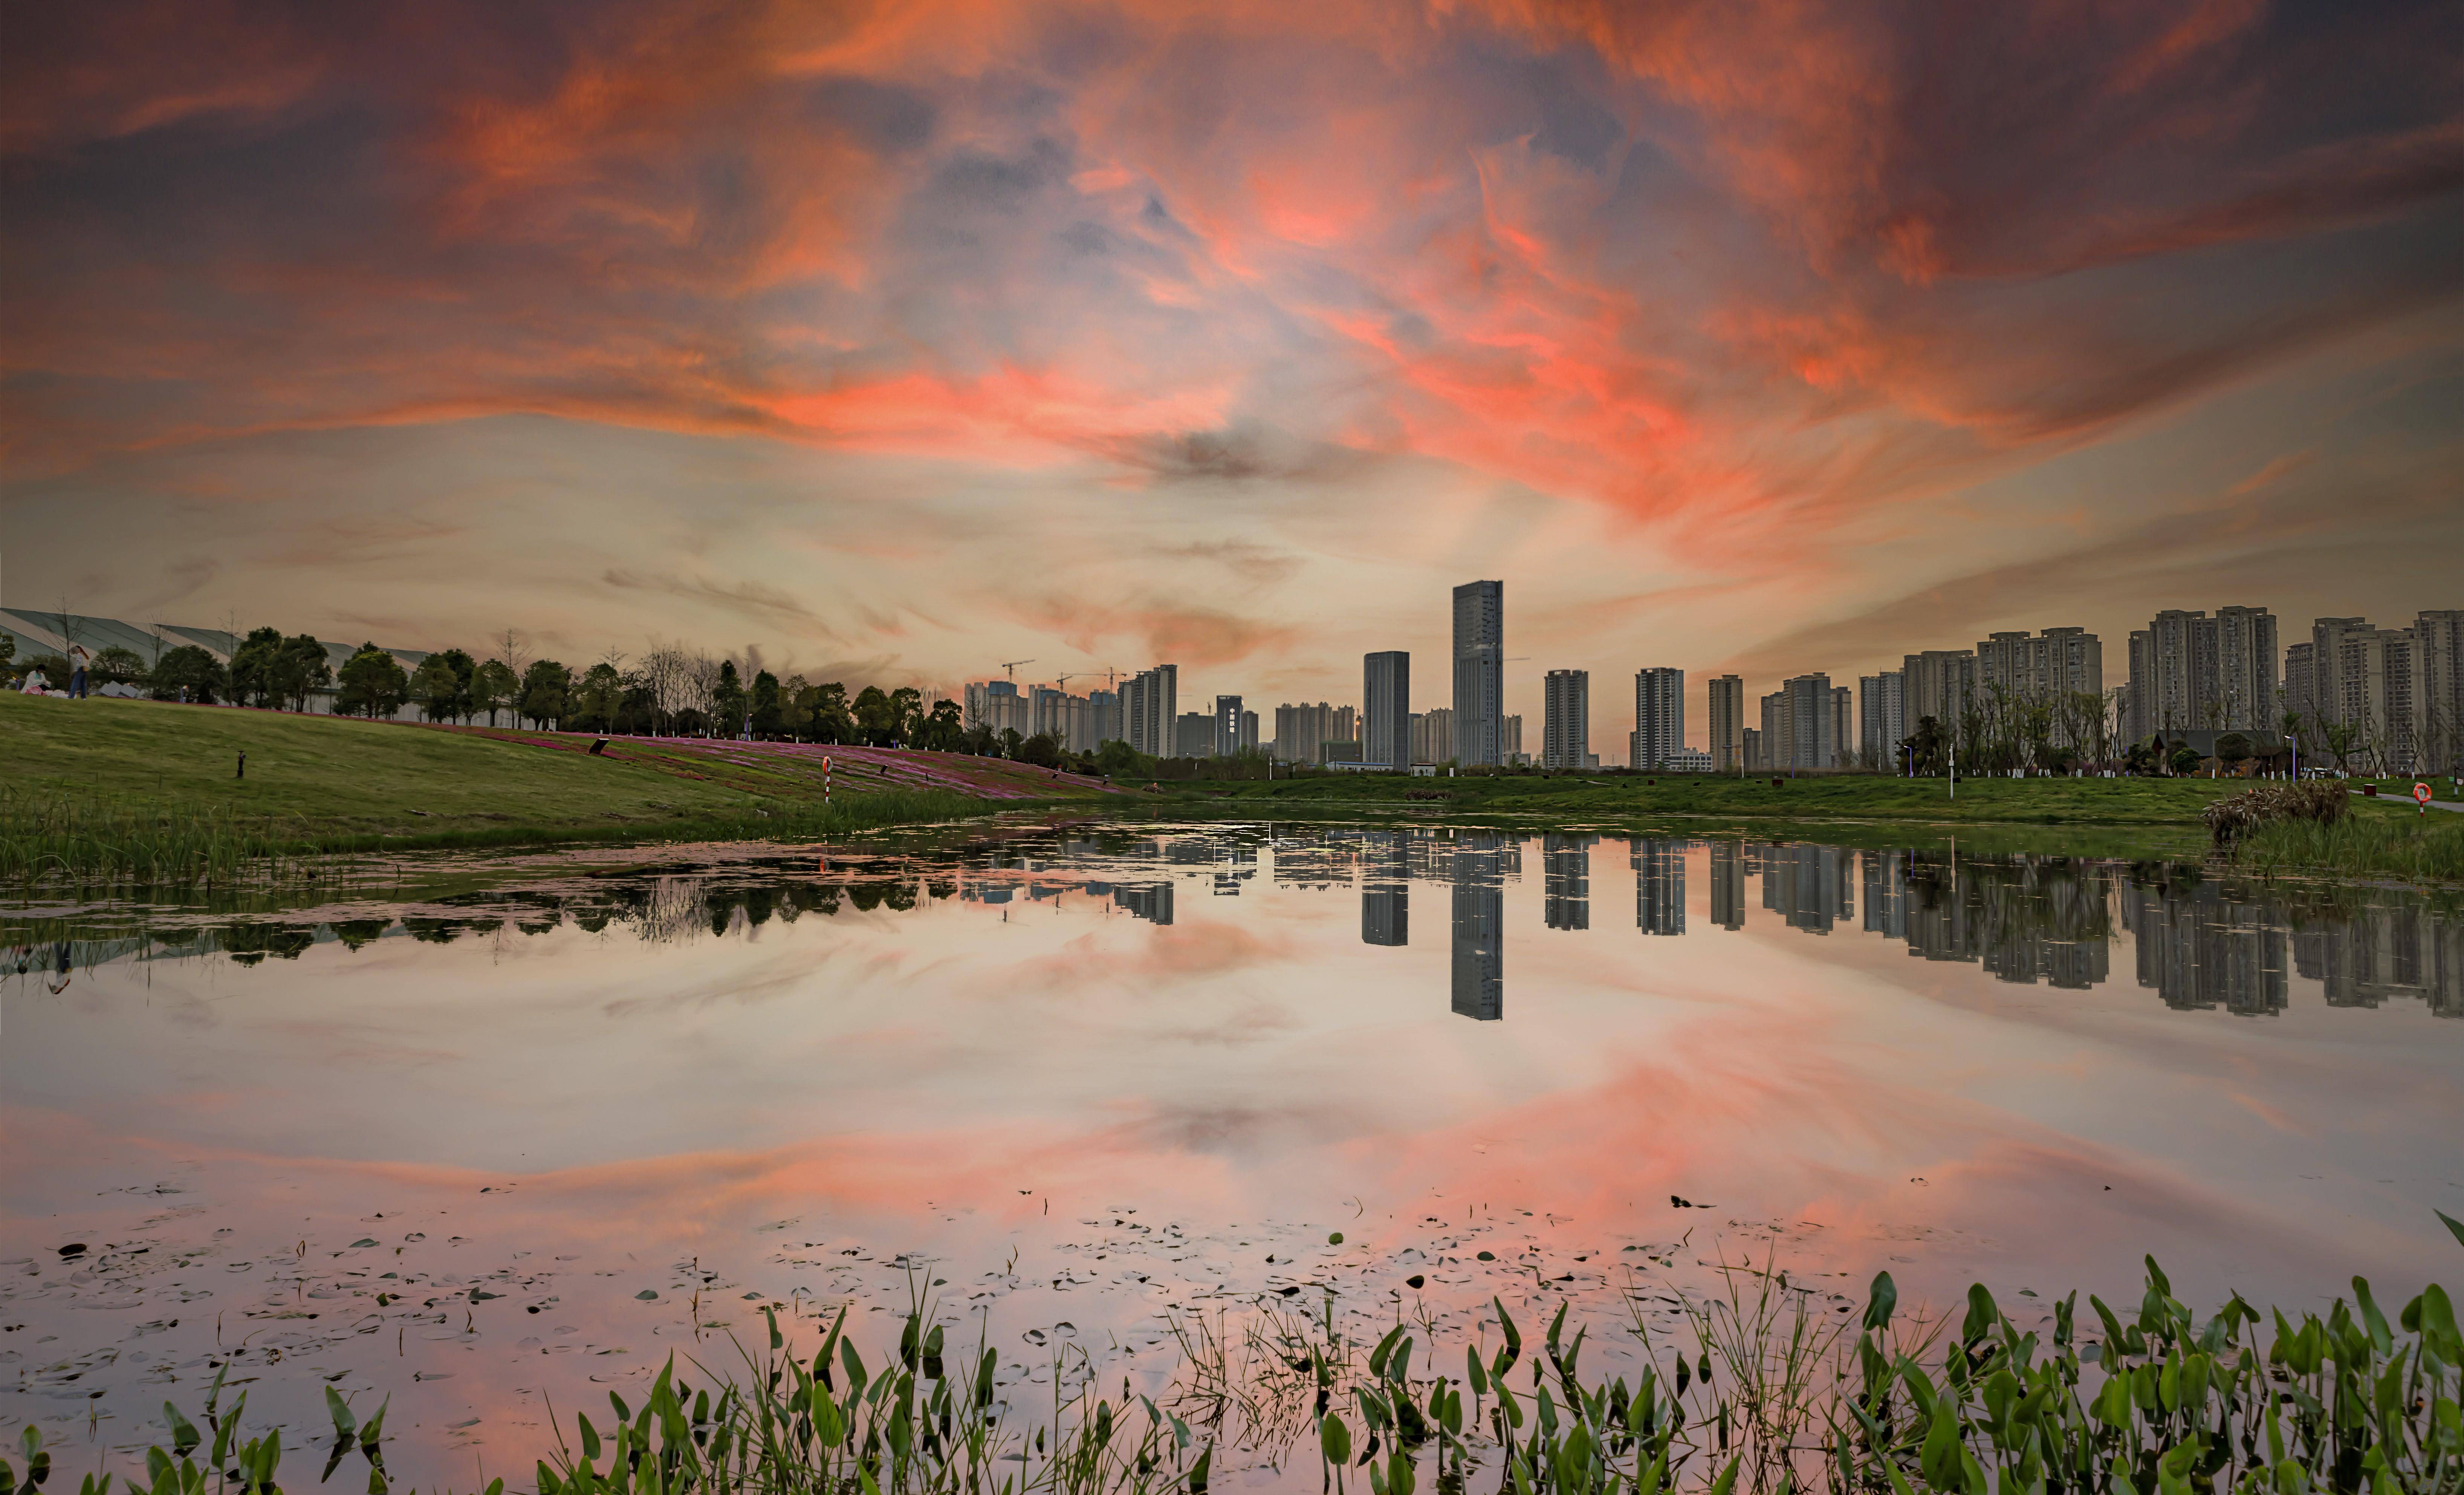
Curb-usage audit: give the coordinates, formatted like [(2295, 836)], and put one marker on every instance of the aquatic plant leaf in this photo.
[(1880, 1300), (1334, 1441)]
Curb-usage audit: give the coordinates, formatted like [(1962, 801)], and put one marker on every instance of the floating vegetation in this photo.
[(1768, 1397)]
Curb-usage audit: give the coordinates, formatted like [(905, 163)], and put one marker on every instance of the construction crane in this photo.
[(1010, 668)]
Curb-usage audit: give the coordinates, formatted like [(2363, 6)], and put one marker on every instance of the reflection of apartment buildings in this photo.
[(2404, 952), (1885, 877), (1566, 880), (2024, 919), (1658, 885), (1479, 875), (1806, 885), (1385, 888), (1728, 885), (2199, 949)]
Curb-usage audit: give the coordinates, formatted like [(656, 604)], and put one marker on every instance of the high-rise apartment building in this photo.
[(1225, 728), (1843, 727), (2057, 662), (1566, 721), (2438, 663), (997, 706), (1749, 752), (1775, 743), (1728, 713), (1659, 718), (1883, 719), (1940, 683), (1150, 711), (1386, 709), (1480, 671), (1509, 740), (2242, 696), (1433, 735), (1193, 735), (1801, 724), (2191, 671), (1302, 730)]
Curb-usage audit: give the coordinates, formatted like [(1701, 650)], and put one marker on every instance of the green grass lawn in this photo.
[(338, 780)]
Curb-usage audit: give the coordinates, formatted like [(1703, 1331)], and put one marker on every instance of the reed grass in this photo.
[(1770, 1398), (2423, 849)]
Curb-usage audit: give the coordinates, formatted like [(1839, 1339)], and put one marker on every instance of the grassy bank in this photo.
[(1772, 1394), (122, 791), (1841, 797), (2375, 842)]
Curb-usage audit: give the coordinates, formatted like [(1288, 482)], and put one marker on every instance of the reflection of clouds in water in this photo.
[(662, 1061)]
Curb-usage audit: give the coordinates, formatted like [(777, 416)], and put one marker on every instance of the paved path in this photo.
[(2383, 798)]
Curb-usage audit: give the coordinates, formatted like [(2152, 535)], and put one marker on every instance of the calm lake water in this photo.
[(1079, 1083)]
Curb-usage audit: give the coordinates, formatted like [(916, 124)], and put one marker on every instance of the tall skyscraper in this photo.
[(1843, 727), (1480, 671), (1566, 728), (1727, 712), (1386, 709), (1883, 719), (1227, 726), (1659, 716), (1509, 740), (1433, 735), (1151, 710), (1193, 735)]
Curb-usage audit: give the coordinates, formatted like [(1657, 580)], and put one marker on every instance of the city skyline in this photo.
[(895, 354)]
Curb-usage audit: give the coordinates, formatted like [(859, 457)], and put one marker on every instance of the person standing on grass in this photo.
[(76, 671)]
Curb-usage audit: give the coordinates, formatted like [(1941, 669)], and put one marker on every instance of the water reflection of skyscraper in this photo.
[(2382, 953), (2024, 919), (1658, 885), (1385, 889), (1727, 885), (1808, 885), (1479, 873), (1566, 880)]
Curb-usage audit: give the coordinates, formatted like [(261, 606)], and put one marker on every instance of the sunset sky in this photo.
[(898, 340)]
